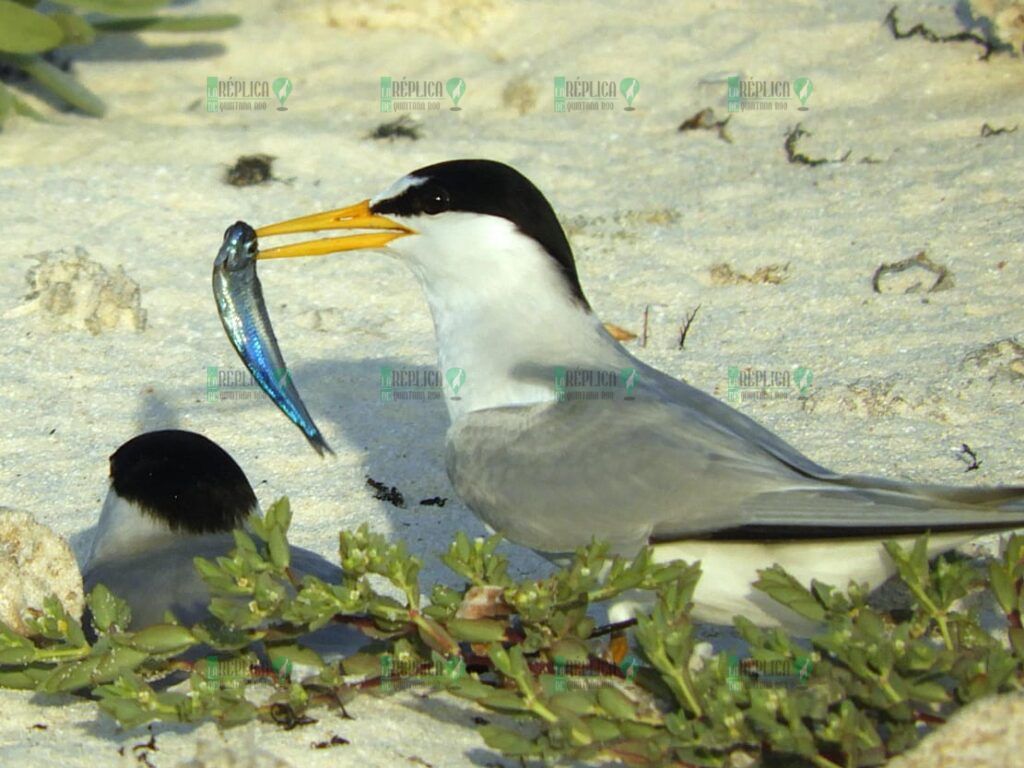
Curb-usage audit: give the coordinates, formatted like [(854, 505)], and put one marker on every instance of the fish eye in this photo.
[(434, 199)]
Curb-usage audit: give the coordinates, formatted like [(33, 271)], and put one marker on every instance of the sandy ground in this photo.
[(900, 381)]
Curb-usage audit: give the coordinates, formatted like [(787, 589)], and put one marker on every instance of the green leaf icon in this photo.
[(282, 88), (803, 378), (456, 378), (456, 88), (804, 88), (629, 87), (628, 378), (804, 667)]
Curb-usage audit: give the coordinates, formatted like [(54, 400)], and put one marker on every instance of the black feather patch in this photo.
[(494, 189), (184, 479), (764, 533)]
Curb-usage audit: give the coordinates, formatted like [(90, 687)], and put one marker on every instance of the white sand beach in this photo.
[(900, 380)]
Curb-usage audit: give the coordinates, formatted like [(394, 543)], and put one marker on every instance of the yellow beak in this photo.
[(356, 216)]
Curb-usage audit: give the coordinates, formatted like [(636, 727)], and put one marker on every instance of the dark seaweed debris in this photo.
[(705, 121), (943, 280), (920, 30), (388, 493), (793, 156), (335, 741), (402, 128), (250, 170), (969, 457), (434, 501), (987, 130)]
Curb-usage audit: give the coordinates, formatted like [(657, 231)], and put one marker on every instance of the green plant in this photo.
[(864, 688), (28, 36)]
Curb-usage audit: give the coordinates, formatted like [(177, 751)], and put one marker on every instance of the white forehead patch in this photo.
[(398, 188)]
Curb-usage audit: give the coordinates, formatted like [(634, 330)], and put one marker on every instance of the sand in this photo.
[(900, 380)]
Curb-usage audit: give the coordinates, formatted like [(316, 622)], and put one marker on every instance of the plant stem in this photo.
[(935, 613), (60, 654)]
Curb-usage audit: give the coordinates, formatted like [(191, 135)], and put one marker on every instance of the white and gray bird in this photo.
[(673, 466), (174, 495)]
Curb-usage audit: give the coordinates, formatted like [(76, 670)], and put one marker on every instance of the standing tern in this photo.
[(671, 466)]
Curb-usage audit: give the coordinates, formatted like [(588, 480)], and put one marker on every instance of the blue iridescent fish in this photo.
[(243, 312)]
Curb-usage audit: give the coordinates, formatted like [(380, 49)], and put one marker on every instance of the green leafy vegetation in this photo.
[(29, 37), (865, 687)]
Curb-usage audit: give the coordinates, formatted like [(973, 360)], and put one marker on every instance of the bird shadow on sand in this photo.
[(403, 446), (153, 412), (129, 46)]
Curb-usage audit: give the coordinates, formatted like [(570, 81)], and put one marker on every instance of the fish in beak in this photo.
[(358, 216)]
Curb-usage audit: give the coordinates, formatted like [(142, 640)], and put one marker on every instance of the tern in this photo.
[(665, 465), (173, 496)]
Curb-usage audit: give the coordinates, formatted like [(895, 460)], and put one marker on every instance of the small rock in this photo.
[(35, 563), (772, 274), (1002, 360), (986, 734), (878, 397), (74, 292)]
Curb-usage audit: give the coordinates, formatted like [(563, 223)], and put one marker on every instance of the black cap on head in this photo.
[(494, 189), (184, 479)]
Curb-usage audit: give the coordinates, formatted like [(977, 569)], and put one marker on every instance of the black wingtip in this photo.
[(764, 534)]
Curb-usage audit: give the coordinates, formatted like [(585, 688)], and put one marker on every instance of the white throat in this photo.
[(501, 309), (124, 530)]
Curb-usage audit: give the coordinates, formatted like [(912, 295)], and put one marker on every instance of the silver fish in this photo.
[(244, 315)]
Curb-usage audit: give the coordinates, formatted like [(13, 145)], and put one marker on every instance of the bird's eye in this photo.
[(435, 200)]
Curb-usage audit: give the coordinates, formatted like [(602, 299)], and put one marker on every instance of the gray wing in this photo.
[(684, 465), (552, 476), (707, 413)]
